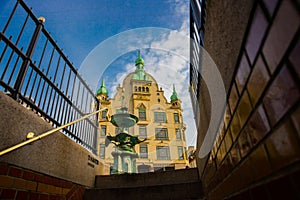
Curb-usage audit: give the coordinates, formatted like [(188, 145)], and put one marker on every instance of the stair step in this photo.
[(147, 179), (192, 190)]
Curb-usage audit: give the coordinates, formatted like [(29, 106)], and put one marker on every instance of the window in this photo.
[(162, 153), (180, 153), (143, 131), (143, 151), (142, 114), (104, 112), (161, 134), (160, 117), (176, 118), (178, 134), (102, 150), (103, 131)]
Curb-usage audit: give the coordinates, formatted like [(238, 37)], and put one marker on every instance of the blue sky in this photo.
[(79, 25), (82, 27)]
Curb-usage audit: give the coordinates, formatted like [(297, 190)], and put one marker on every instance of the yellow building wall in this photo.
[(153, 100)]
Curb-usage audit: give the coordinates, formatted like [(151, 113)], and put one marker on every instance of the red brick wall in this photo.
[(20, 183)]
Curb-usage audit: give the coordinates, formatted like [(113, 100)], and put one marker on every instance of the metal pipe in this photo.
[(47, 133)]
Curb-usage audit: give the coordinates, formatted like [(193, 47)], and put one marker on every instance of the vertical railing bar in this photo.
[(38, 87), (7, 64), (51, 89), (29, 80), (46, 94), (78, 92), (68, 82), (53, 106), (81, 103), (74, 83), (62, 76), (60, 102), (48, 69), (58, 62), (14, 68), (40, 62), (10, 17), (22, 29), (4, 50)]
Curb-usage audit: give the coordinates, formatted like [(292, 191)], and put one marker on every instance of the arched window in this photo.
[(140, 89), (143, 89), (147, 89), (135, 88)]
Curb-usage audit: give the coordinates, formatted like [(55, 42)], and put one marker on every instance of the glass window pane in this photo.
[(283, 30), (143, 131), (258, 81), (103, 131), (102, 150), (176, 118), (143, 151), (142, 114), (161, 134), (163, 153), (258, 29), (257, 126), (242, 74), (282, 94), (180, 153), (160, 117), (178, 134)]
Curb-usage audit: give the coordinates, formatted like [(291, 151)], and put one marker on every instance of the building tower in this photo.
[(160, 121)]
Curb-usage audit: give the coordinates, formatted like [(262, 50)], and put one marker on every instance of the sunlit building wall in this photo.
[(160, 121)]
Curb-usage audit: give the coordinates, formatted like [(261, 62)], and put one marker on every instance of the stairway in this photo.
[(178, 184)]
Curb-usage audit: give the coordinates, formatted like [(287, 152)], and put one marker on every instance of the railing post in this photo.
[(29, 53)]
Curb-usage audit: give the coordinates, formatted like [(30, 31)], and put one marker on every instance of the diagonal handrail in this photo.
[(33, 139)]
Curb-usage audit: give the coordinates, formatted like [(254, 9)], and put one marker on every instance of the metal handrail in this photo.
[(32, 138)]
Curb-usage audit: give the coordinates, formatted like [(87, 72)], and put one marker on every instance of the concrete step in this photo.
[(181, 191), (178, 184)]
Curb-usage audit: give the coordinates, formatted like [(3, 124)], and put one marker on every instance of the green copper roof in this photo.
[(174, 96), (140, 73), (102, 89)]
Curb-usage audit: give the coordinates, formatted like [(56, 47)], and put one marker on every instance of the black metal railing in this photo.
[(35, 72)]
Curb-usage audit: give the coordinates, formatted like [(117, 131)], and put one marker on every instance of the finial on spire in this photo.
[(139, 53)]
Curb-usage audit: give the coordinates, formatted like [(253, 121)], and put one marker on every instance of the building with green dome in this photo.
[(160, 121)]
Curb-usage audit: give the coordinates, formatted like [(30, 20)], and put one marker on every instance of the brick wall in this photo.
[(257, 153), (20, 183)]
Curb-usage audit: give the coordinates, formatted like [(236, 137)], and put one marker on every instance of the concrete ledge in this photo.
[(56, 155), (148, 179)]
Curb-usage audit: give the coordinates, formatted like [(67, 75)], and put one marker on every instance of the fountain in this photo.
[(124, 155)]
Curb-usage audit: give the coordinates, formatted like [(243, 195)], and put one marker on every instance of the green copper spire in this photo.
[(102, 89), (174, 96), (139, 61), (140, 73)]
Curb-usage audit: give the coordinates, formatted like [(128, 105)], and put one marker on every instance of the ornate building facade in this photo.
[(160, 122)]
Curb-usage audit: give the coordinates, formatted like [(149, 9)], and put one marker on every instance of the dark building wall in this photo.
[(257, 153)]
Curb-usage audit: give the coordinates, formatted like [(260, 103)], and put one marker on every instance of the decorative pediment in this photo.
[(141, 106)]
